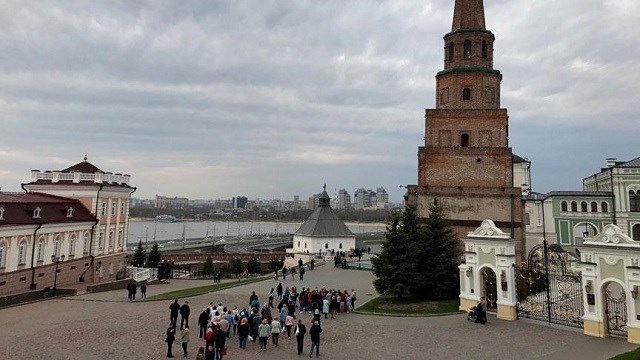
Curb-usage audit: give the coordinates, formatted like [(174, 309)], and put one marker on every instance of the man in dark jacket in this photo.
[(301, 330), (171, 336), (314, 333), (219, 342), (203, 319), (184, 314), (175, 309)]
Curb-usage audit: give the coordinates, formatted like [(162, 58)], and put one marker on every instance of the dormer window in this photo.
[(70, 212), (36, 213), (1, 213), (467, 49), (466, 94)]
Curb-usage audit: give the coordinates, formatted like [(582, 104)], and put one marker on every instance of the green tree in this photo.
[(154, 257), (394, 267), (207, 267), (138, 257), (438, 255), (235, 264), (253, 266), (275, 264)]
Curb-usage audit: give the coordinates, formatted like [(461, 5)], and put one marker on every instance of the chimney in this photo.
[(611, 162)]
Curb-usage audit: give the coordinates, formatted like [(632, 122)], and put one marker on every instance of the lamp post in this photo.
[(57, 260)]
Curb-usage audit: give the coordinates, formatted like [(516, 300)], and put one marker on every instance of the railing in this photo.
[(141, 274), (98, 177)]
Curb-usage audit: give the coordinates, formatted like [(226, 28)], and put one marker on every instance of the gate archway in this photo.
[(615, 309), (489, 288)]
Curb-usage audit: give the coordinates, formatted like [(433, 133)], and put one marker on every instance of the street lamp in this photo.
[(57, 260)]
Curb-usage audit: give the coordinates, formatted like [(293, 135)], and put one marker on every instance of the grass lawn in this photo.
[(200, 290), (385, 304), (631, 355)]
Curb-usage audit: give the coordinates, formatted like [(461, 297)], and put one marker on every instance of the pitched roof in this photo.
[(324, 222), (83, 167), (19, 209), (578, 193), (517, 159), (632, 163)]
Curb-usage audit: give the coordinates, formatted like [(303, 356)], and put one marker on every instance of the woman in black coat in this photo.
[(171, 336)]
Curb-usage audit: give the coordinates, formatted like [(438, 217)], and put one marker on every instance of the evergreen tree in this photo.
[(253, 266), (394, 267), (138, 257), (275, 264), (235, 264), (154, 257), (207, 267), (438, 255)]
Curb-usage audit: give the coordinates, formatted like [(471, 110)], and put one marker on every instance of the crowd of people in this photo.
[(260, 321)]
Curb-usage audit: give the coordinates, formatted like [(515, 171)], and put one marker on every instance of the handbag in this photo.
[(224, 350)]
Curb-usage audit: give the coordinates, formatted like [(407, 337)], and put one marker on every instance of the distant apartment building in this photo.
[(382, 198), (163, 202), (370, 200), (240, 202), (344, 200)]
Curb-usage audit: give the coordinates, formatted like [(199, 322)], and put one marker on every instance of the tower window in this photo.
[(450, 50), (594, 206), (484, 49), (634, 201), (467, 49), (574, 206), (635, 232), (583, 206), (563, 206), (464, 140), (466, 94), (604, 207)]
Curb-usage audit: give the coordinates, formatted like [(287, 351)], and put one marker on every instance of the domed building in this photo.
[(323, 230)]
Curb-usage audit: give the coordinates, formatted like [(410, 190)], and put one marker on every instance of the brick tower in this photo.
[(466, 162)]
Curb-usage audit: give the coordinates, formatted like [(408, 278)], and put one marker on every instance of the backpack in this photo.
[(256, 321)]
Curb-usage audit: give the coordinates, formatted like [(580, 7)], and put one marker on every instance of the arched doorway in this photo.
[(489, 288), (615, 313), (583, 230)]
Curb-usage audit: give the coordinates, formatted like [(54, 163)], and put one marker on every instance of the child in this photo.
[(200, 355)]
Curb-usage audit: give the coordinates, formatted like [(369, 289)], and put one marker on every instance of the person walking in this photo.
[(171, 336), (130, 290), (302, 273), (275, 332), (288, 324), (353, 299), (243, 332), (272, 294), (232, 322), (203, 319), (284, 273), (184, 336), (301, 330), (314, 333), (184, 314), (279, 291), (175, 309), (264, 331), (143, 290), (325, 307), (219, 342)]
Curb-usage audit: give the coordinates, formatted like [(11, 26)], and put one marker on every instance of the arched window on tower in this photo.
[(464, 140), (484, 49), (574, 206), (583, 206), (594, 206), (450, 50), (634, 201), (466, 94), (467, 49), (604, 207), (635, 232), (563, 206)]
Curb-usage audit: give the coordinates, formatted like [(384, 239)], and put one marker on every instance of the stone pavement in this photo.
[(77, 328)]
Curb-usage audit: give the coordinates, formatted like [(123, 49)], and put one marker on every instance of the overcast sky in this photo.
[(271, 99)]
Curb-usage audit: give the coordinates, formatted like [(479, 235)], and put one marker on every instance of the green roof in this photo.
[(469, 69), (324, 222)]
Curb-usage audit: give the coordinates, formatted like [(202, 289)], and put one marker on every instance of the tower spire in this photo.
[(468, 14)]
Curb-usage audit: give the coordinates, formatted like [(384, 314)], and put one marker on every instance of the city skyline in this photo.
[(214, 99)]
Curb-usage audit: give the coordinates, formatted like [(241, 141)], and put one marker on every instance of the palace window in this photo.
[(70, 212), (563, 206), (484, 49), (574, 206), (634, 201), (72, 245), (2, 254), (340, 245), (122, 208), (604, 207), (104, 209), (466, 94), (583, 206), (22, 252), (100, 241), (594, 206), (110, 240), (635, 232), (36, 213), (450, 49), (326, 245), (464, 140), (41, 250), (56, 246), (467, 49), (113, 208), (120, 238), (85, 245)]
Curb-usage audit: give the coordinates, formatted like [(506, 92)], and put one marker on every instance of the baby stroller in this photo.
[(471, 315)]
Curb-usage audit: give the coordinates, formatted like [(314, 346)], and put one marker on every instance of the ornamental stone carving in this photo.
[(611, 235), (488, 229)]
